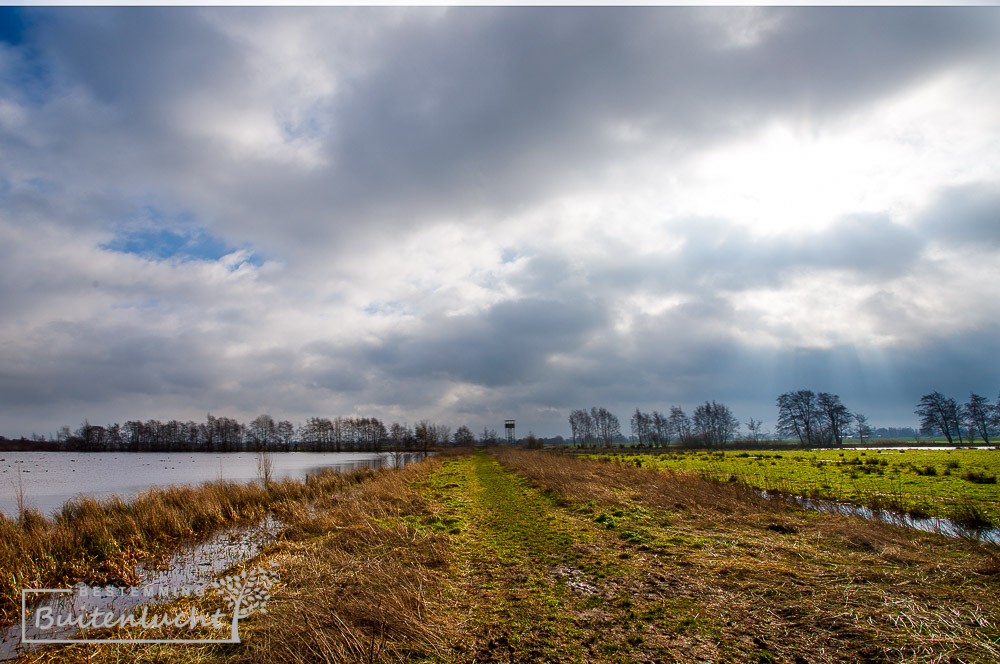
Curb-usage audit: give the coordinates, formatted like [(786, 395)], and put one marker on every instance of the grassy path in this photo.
[(536, 582)]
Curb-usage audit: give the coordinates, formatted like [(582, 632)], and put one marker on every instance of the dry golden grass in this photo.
[(358, 583), (366, 587), (101, 541)]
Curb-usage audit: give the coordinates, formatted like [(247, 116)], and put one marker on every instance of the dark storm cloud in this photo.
[(517, 101), (66, 364), (718, 255), (478, 108), (508, 343), (137, 58)]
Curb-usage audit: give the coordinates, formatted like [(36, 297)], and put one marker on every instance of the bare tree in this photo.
[(285, 431), (488, 437), (583, 427), (978, 415), (861, 427), (426, 435), (679, 425), (442, 433), (606, 425), (576, 427), (263, 431), (400, 438), (641, 424), (660, 428), (938, 414), (317, 434), (835, 416), (265, 467), (753, 427), (713, 423), (464, 437), (799, 417)]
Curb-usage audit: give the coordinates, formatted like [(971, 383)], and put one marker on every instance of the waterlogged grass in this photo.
[(101, 541), (357, 578), (521, 556), (940, 483)]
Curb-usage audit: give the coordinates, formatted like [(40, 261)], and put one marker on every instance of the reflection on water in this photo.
[(926, 524)]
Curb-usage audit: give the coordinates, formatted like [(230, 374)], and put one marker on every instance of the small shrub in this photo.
[(978, 477)]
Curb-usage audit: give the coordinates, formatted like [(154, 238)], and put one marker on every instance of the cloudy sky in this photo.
[(467, 215)]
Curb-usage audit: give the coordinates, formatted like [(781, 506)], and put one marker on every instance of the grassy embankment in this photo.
[(533, 557), (955, 484), (101, 541)]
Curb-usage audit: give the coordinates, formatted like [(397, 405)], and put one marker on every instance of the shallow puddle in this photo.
[(190, 571)]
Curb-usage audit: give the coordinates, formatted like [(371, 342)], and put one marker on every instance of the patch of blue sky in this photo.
[(11, 25), (157, 237), (166, 243), (390, 307), (509, 255), (304, 128), (27, 77)]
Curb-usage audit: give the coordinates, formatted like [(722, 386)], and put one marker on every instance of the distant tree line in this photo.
[(814, 419), (821, 419), (711, 424), (225, 434)]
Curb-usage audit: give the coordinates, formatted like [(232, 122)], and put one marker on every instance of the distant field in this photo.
[(942, 483)]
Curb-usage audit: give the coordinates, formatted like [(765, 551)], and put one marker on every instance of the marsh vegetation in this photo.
[(518, 556)]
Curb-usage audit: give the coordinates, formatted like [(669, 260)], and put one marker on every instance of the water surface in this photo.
[(49, 479)]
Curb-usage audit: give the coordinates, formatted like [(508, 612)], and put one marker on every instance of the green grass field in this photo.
[(942, 483)]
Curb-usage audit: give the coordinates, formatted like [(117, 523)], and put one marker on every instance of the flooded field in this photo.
[(49, 479)]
